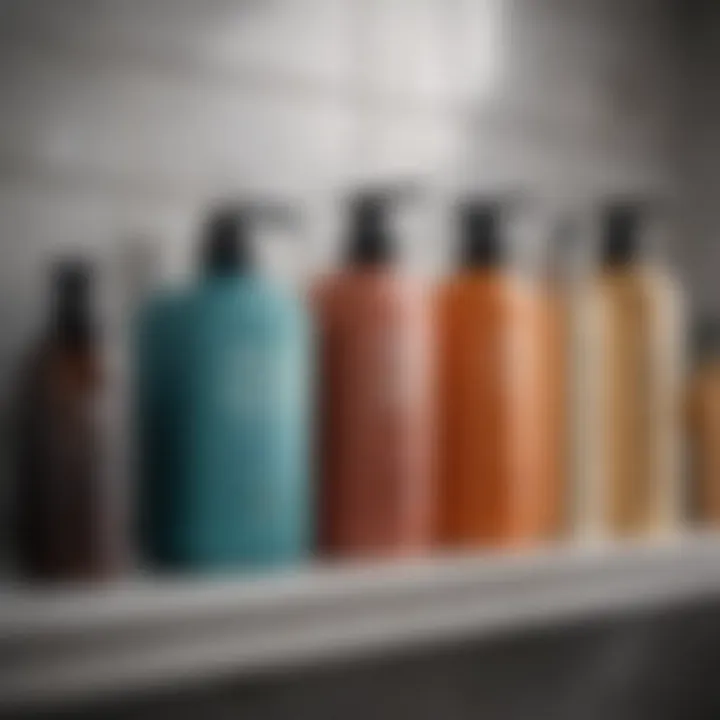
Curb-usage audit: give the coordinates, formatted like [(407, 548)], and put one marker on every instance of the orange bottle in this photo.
[(498, 478), (376, 348), (703, 418)]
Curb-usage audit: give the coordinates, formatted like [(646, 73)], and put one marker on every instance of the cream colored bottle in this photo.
[(629, 458)]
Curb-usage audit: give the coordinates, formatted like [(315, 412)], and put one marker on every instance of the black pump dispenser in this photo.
[(370, 241), (481, 240), (73, 323), (227, 242), (621, 225), (226, 249)]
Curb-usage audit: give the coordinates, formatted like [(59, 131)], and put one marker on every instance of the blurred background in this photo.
[(122, 121)]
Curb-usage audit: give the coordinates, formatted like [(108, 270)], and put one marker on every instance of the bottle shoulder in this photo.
[(357, 286), (473, 288), (651, 287), (176, 326), (237, 295)]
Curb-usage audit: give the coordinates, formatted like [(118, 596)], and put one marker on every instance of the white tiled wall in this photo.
[(125, 118)]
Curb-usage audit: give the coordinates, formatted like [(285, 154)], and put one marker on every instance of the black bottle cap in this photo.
[(226, 248), (73, 322), (480, 221), (621, 225), (370, 241), (227, 242), (370, 236)]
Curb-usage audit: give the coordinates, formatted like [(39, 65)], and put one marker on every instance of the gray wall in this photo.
[(123, 118), (700, 149)]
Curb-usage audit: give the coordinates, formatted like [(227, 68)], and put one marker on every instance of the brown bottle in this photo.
[(64, 526), (376, 496)]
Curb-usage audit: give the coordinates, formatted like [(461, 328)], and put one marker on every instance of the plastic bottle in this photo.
[(376, 450), (225, 411), (631, 463), (499, 477)]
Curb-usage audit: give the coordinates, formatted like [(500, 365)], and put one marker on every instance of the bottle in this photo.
[(630, 471), (224, 375), (704, 424), (376, 400), (67, 527), (498, 476)]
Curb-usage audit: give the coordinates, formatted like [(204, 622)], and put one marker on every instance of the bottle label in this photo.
[(256, 382)]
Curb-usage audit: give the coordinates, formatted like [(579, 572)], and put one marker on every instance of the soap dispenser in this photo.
[(498, 483), (376, 402), (631, 407), (224, 376)]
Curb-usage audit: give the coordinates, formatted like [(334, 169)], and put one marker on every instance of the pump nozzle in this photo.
[(72, 290), (227, 234), (623, 220), (481, 219), (370, 236), (621, 223)]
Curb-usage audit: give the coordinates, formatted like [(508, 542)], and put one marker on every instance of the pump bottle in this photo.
[(498, 481), (376, 356), (631, 407), (224, 382)]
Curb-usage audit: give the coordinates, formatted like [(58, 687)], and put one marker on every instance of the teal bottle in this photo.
[(224, 406)]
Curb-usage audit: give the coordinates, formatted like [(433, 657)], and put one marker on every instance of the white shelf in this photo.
[(71, 644)]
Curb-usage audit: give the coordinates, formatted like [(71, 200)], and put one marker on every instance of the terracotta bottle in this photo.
[(376, 440), (497, 481), (630, 470), (67, 527)]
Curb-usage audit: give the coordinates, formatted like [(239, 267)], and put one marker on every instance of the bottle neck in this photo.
[(226, 259), (370, 249), (481, 244), (73, 327)]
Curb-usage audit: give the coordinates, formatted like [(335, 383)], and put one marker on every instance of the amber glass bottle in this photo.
[(65, 524)]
